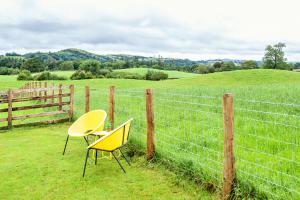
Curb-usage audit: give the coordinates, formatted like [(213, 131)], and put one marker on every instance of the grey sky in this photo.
[(195, 29)]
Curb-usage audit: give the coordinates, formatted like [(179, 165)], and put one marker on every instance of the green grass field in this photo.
[(32, 167), (189, 125)]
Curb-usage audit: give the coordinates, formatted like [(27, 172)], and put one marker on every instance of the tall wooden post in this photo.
[(112, 106), (9, 108), (71, 102), (229, 169), (40, 89), (45, 92), (87, 99), (150, 124), (31, 89), (60, 97), (35, 89), (53, 93)]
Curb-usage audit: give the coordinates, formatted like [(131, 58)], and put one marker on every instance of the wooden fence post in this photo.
[(35, 89), (60, 97), (40, 88), (52, 99), (71, 102), (150, 124), (45, 92), (112, 106), (229, 169), (9, 108), (87, 99), (31, 89)]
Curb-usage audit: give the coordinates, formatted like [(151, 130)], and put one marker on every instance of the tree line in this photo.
[(274, 58)]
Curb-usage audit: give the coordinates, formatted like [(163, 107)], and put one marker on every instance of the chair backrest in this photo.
[(114, 139), (89, 122)]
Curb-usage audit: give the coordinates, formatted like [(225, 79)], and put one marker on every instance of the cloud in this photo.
[(193, 29)]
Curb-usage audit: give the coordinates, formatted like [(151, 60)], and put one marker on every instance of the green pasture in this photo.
[(33, 167), (189, 125)]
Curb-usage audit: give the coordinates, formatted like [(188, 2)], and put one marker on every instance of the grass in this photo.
[(32, 167), (189, 125)]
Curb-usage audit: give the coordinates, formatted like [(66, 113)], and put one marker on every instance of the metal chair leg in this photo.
[(125, 157), (66, 145), (96, 158), (87, 142), (86, 158), (118, 162)]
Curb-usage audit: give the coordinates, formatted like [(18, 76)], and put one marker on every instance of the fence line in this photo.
[(33, 96), (189, 130), (196, 132)]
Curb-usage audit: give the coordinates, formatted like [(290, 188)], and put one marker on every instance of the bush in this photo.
[(48, 76), (155, 75), (103, 72), (125, 75), (211, 69), (78, 75), (24, 75), (249, 64), (8, 71)]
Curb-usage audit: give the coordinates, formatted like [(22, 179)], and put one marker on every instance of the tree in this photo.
[(249, 64), (76, 64), (11, 62), (34, 65), (228, 66), (297, 65), (52, 64), (92, 66), (201, 69), (274, 57), (66, 66), (217, 66)]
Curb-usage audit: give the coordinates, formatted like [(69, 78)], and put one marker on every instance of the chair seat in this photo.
[(100, 133)]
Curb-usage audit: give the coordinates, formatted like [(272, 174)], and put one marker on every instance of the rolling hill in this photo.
[(76, 54)]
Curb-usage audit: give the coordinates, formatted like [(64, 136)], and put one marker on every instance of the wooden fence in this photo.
[(228, 127), (37, 95)]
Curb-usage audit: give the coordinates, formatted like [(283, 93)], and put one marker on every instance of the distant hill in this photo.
[(75, 54)]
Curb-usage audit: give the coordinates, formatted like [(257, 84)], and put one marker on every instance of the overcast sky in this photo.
[(195, 29)]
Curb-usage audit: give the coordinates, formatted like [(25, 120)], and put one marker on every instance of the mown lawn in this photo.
[(33, 167)]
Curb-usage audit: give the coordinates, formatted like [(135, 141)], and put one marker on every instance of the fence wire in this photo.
[(189, 132), (132, 104), (267, 146)]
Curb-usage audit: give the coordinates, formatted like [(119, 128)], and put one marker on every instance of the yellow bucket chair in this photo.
[(111, 142), (87, 124)]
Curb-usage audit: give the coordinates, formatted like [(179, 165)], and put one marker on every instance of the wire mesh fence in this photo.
[(189, 133), (267, 143), (132, 104)]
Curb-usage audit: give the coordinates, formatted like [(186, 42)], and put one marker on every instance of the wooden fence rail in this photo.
[(37, 95)]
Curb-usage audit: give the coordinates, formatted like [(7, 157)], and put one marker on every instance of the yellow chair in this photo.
[(87, 124), (111, 142)]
